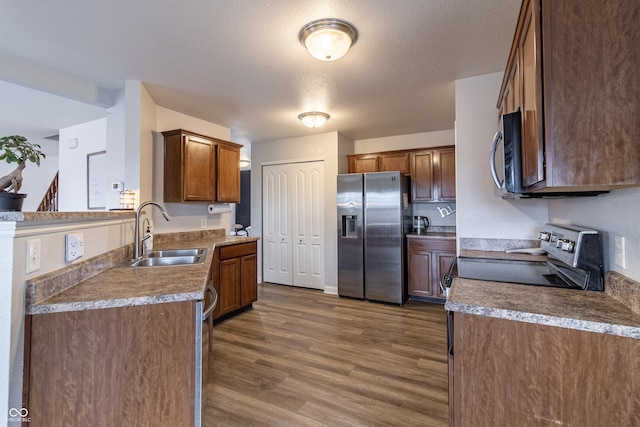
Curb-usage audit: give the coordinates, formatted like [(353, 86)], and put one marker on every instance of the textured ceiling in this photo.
[(239, 64)]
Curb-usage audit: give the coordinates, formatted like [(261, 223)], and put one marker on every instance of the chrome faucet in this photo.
[(166, 216)]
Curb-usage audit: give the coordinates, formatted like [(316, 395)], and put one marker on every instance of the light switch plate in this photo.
[(33, 255), (620, 254)]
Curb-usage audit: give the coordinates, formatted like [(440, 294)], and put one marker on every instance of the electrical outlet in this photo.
[(203, 222), (620, 255), (33, 255), (74, 246)]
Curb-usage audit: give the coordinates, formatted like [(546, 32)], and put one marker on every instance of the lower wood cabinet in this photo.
[(428, 259), (113, 366), (512, 373), (235, 277)]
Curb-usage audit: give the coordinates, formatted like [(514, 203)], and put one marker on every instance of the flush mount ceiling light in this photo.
[(313, 119), (328, 39)]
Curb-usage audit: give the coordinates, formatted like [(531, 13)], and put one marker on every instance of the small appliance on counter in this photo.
[(574, 261), (420, 224)]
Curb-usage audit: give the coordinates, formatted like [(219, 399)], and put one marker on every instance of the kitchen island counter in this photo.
[(109, 281), (600, 312)]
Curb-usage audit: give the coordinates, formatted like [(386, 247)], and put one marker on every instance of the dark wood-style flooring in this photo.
[(304, 358)]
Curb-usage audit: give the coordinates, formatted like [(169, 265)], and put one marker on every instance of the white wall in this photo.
[(72, 162), (405, 142), (99, 237), (116, 152), (315, 147), (185, 216), (614, 214), (481, 214), (36, 179)]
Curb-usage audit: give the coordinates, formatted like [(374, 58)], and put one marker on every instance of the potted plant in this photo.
[(16, 149)]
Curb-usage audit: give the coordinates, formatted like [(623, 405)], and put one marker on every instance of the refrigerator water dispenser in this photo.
[(349, 227)]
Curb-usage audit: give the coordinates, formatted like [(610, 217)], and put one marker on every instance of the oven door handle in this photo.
[(450, 332), (207, 311)]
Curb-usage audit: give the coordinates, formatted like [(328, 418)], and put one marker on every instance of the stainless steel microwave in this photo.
[(506, 158), (506, 164)]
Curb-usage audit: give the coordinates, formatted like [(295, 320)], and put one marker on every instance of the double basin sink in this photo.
[(169, 257)]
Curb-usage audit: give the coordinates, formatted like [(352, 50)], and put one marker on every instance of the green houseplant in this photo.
[(16, 149)]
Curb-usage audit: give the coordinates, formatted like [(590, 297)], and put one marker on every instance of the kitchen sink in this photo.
[(169, 257), (175, 253)]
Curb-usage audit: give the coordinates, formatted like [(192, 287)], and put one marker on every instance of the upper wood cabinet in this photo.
[(394, 161), (379, 162), (433, 175), (228, 173), (362, 163), (199, 168), (572, 73), (432, 170)]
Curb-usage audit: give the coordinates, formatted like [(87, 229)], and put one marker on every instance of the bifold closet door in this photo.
[(293, 251)]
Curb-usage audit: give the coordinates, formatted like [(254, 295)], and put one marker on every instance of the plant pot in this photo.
[(11, 201)]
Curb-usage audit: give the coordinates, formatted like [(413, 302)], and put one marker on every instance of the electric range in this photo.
[(574, 261)]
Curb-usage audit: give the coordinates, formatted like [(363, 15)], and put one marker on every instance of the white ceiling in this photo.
[(239, 63)]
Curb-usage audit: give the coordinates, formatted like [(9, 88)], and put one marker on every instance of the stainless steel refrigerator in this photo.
[(374, 215)]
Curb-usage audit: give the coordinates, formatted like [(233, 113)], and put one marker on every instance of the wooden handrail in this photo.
[(49, 202)]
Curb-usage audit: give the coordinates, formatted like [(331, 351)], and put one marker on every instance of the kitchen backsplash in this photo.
[(439, 214)]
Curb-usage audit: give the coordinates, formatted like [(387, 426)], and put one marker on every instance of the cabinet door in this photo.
[(394, 162), (276, 225), (422, 176), (510, 102), (199, 169), (443, 261), (249, 279), (229, 298), (362, 163), (446, 182), (529, 50), (228, 174), (420, 274)]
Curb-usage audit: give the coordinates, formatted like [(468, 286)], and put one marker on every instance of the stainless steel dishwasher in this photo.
[(204, 329)]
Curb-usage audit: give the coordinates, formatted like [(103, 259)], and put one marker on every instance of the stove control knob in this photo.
[(567, 245), (544, 236)]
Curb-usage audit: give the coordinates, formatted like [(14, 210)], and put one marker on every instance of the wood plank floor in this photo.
[(304, 358)]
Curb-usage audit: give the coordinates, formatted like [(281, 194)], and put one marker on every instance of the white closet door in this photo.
[(308, 237), (293, 250), (276, 229)]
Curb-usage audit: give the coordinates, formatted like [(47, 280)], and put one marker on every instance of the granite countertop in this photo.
[(38, 217), (601, 312), (113, 283), (432, 235), (435, 232)]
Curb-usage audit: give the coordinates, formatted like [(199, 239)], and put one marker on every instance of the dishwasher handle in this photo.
[(206, 312)]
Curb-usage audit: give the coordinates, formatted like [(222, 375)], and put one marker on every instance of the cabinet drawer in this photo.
[(239, 250), (419, 244)]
